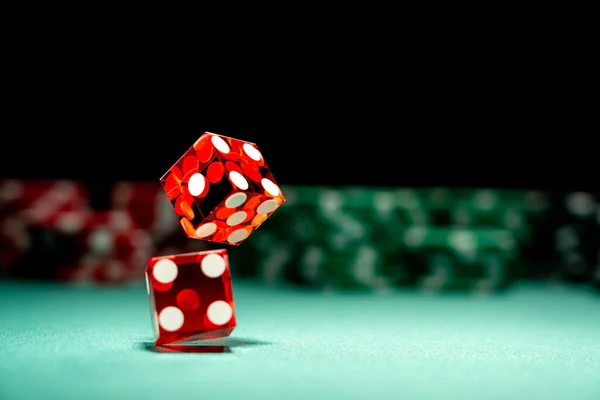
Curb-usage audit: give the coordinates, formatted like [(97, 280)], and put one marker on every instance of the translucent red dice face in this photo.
[(222, 189), (190, 297)]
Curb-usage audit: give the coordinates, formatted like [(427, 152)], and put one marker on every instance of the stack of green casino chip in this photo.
[(517, 212), (432, 239), (460, 259), (347, 239), (334, 242)]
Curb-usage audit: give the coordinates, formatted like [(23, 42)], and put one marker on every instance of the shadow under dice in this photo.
[(222, 189), (190, 297)]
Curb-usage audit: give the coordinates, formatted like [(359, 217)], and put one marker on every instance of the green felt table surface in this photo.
[(59, 342)]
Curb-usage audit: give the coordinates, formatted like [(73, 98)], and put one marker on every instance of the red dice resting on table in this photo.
[(222, 189), (190, 297)]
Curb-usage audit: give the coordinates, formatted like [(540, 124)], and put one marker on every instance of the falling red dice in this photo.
[(190, 297), (222, 189)]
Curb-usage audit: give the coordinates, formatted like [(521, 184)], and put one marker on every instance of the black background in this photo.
[(124, 118), (348, 146)]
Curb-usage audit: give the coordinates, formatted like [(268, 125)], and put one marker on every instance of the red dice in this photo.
[(222, 189), (190, 297)]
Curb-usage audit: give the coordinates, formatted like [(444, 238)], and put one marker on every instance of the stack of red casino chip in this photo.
[(39, 199), (13, 239), (104, 246), (139, 199), (49, 232)]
